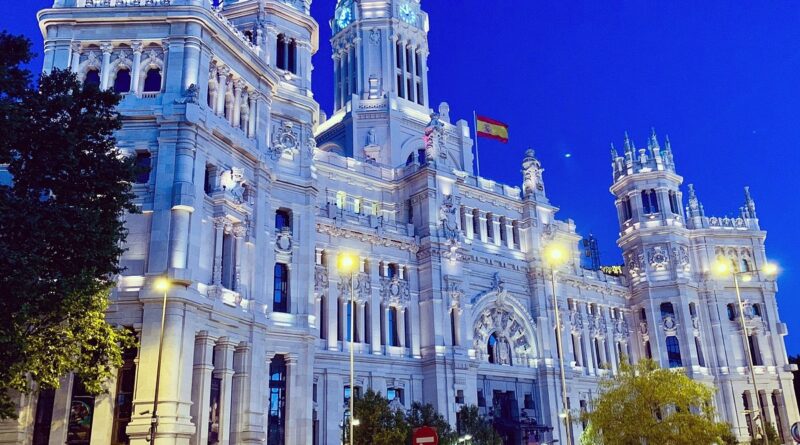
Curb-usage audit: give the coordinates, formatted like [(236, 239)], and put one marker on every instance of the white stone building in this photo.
[(253, 195)]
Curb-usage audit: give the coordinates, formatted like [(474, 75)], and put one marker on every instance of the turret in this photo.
[(388, 58), (646, 185)]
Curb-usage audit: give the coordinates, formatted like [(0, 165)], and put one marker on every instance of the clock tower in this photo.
[(380, 50)]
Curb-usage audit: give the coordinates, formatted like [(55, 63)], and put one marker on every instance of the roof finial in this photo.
[(628, 144), (653, 138), (614, 154)]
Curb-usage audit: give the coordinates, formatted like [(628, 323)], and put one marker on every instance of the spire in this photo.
[(614, 154), (628, 144), (695, 209), (653, 139), (749, 210)]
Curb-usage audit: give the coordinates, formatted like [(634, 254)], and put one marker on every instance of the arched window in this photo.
[(410, 159), (746, 265), (674, 207), (280, 295), (674, 352), (92, 78), (152, 81), (756, 310), (122, 83), (648, 352), (490, 345), (292, 62), (280, 59), (277, 401), (627, 212)]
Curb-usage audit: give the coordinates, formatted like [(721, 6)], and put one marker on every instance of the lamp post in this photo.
[(347, 265), (555, 255), (163, 285), (725, 268)]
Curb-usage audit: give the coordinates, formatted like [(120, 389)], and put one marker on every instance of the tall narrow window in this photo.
[(489, 227), (391, 271), (208, 181), (755, 351), (674, 352), (674, 207), (367, 325), (731, 309), (646, 202), (122, 83), (503, 230), (748, 410), (576, 350), (280, 299), (398, 50), (143, 167), (276, 431), (341, 200), (280, 53), (393, 339), (653, 201), (701, 360), (515, 233), (348, 324), (152, 80), (227, 261), (667, 310), (409, 57), (92, 78), (490, 345), (648, 352), (44, 417), (476, 223), (323, 321), (292, 62), (453, 327), (123, 409), (79, 429)]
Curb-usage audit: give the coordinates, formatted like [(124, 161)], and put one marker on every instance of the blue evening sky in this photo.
[(721, 78)]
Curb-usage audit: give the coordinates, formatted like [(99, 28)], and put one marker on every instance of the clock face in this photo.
[(408, 14), (344, 17)]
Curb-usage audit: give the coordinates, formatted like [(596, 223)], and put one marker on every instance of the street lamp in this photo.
[(724, 268), (347, 265), (556, 255), (162, 285)]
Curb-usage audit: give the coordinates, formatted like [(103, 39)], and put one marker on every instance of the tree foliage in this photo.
[(61, 228), (647, 404), (380, 424), (471, 422)]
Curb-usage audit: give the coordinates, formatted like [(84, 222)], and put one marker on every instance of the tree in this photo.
[(378, 424), (61, 228), (426, 415), (647, 404), (471, 422)]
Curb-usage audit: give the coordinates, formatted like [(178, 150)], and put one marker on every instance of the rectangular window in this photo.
[(420, 99), (281, 52), (283, 220), (528, 401), (481, 398), (280, 299), (418, 60), (208, 181), (392, 323), (395, 393), (227, 261), (142, 167), (409, 59), (214, 408), (357, 205), (123, 409), (398, 50), (276, 430)]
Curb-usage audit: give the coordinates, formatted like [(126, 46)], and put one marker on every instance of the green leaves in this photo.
[(647, 404), (61, 229)]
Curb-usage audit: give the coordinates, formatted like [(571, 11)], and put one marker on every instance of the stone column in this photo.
[(469, 224), (182, 199), (238, 89), (251, 118), (239, 231), (222, 90), (304, 62), (75, 61), (191, 55), (136, 46), (412, 95), (223, 370), (509, 234), (401, 326), (239, 395), (361, 311), (105, 71), (359, 56), (220, 223), (496, 231), (403, 65), (423, 57), (483, 235), (61, 410), (103, 417), (201, 386)]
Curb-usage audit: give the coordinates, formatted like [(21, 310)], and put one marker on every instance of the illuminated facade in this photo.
[(253, 194)]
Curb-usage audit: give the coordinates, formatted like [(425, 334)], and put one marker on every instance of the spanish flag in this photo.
[(490, 128)]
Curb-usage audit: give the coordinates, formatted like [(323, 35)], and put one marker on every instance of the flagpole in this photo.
[(477, 155)]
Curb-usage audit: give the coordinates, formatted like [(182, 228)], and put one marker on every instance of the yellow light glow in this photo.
[(555, 254), (161, 284), (747, 277), (722, 267), (347, 263), (771, 269), (356, 422)]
